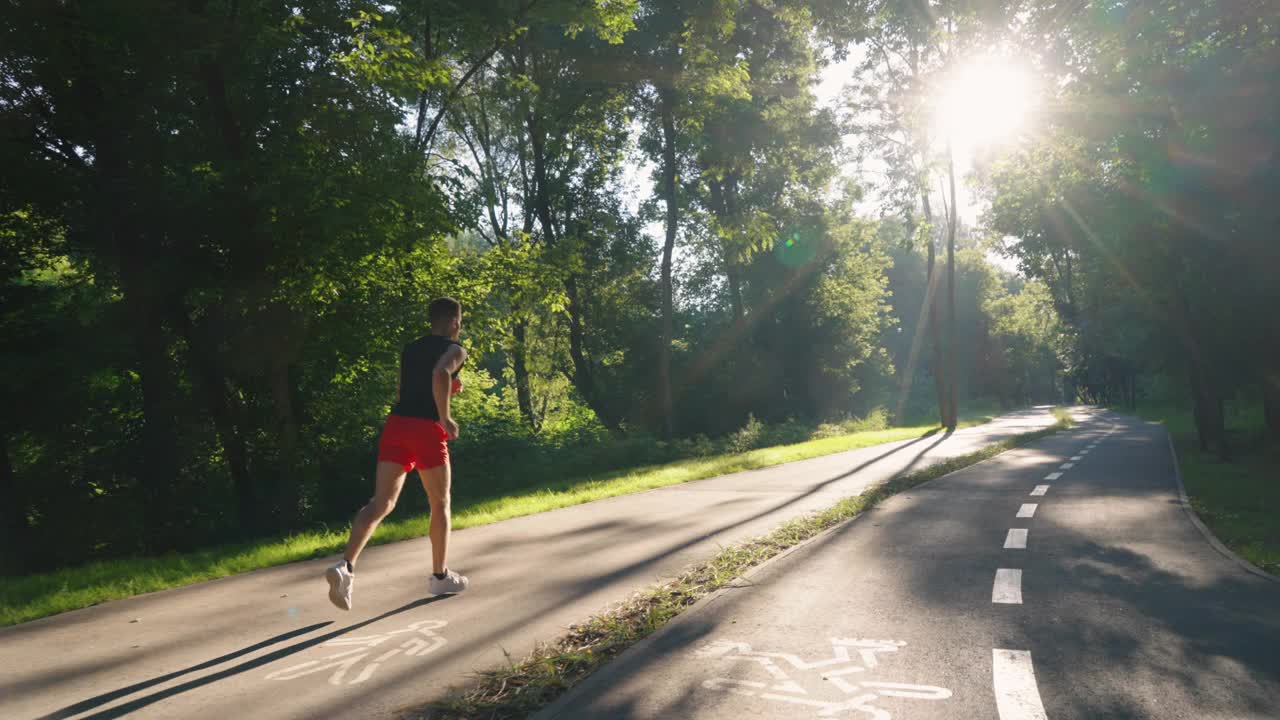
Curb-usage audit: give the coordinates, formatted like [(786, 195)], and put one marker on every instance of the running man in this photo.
[(415, 436)]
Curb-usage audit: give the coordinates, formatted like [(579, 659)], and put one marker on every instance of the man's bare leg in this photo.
[(436, 481), (387, 486)]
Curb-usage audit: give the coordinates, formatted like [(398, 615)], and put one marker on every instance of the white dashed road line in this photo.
[(1014, 679), (1007, 589), (1012, 672)]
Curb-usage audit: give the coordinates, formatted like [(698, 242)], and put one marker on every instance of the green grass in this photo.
[(525, 686), (35, 596), (1239, 500)]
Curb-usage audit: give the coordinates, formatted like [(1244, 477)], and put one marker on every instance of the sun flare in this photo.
[(986, 101)]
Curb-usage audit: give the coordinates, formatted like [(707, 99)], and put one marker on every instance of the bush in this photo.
[(789, 432), (877, 419), (746, 438), (697, 446)]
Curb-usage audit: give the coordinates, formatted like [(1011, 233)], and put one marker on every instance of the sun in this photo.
[(985, 101)]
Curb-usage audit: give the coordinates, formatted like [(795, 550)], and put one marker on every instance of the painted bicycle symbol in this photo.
[(849, 658), (422, 640)]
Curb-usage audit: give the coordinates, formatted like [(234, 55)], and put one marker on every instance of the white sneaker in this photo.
[(341, 581), (450, 584)]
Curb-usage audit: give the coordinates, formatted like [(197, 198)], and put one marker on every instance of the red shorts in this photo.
[(413, 443)]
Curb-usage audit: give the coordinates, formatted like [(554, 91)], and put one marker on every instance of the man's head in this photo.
[(446, 317)]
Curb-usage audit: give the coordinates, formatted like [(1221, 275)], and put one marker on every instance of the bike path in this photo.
[(1112, 605), (268, 644)]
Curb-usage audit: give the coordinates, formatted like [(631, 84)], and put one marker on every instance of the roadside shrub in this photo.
[(745, 438)]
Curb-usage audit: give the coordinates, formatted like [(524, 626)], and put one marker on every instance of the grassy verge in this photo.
[(35, 596), (1240, 499), (530, 684)]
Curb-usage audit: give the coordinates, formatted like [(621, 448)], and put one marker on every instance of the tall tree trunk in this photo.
[(13, 521), (524, 395), (144, 296), (734, 274), (935, 327), (583, 376), (1271, 403), (583, 369), (1198, 408), (1207, 410), (1208, 401), (288, 497), (1220, 427), (953, 377), (733, 271), (666, 108), (725, 206), (429, 54), (211, 381), (158, 469)]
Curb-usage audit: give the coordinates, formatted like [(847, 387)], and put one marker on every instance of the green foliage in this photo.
[(1147, 223), (746, 437), (221, 222)]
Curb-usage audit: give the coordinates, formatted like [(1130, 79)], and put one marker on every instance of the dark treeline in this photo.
[(1147, 205), (220, 221)]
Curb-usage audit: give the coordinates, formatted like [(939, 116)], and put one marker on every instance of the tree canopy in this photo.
[(221, 221)]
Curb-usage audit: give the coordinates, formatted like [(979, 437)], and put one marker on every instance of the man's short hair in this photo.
[(442, 310)]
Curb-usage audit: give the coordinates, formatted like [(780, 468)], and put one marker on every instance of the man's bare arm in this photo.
[(442, 381)]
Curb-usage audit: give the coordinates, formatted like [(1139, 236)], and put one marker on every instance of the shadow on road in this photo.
[(139, 703), (1134, 631), (605, 579)]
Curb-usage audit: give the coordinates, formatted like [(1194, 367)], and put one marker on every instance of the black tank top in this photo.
[(417, 364)]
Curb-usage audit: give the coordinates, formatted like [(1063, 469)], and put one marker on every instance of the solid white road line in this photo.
[(1014, 679), (1040, 490), (1027, 510), (1066, 466), (1016, 539), (1007, 588), (1053, 476)]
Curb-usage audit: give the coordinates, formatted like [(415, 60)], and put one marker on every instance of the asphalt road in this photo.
[(268, 644), (959, 600)]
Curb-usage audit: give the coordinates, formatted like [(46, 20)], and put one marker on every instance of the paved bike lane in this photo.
[(267, 644), (1060, 580)]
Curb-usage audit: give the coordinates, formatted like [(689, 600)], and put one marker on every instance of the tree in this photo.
[(1155, 201)]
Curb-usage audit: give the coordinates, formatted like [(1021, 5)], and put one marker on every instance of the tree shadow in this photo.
[(1140, 623), (599, 581), (139, 703)]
